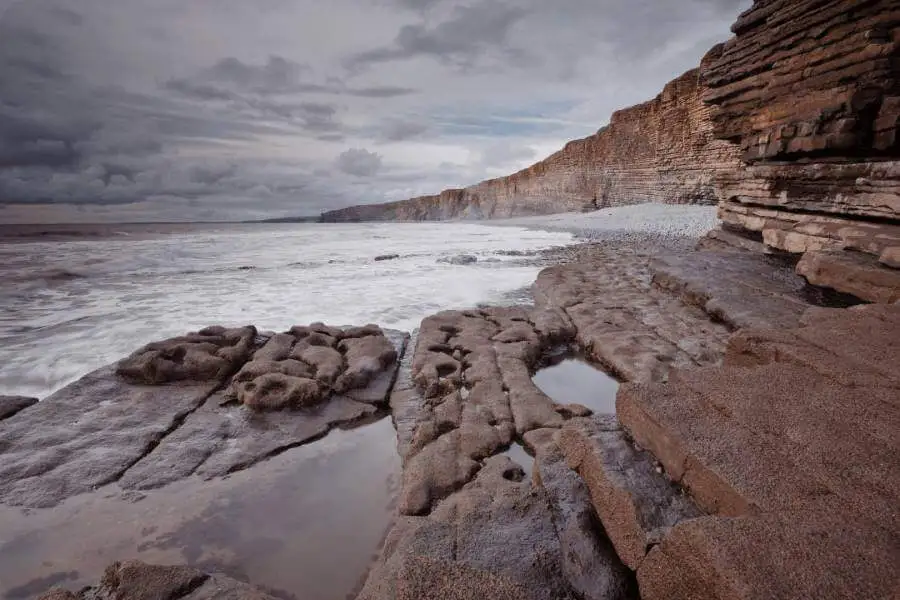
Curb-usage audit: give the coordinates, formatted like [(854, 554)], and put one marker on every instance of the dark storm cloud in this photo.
[(359, 162), (401, 130), (220, 108), (29, 141), (231, 79), (468, 35), (418, 4)]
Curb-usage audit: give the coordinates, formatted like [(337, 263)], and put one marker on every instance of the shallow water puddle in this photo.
[(519, 455), (570, 380), (304, 524)]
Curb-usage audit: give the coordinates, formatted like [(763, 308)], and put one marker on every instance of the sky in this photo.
[(208, 110)]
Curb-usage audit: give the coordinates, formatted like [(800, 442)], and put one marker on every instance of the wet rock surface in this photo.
[(637, 504), (146, 422), (498, 526), (739, 289), (471, 523), (210, 354), (623, 321), (470, 378), (88, 435), (595, 508), (10, 405), (303, 524), (590, 563), (134, 580), (466, 395)]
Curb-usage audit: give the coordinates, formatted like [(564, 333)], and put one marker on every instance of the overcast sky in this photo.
[(131, 110)]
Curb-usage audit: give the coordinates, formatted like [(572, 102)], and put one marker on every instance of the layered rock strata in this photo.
[(809, 91), (730, 462), (597, 504), (662, 151), (172, 410)]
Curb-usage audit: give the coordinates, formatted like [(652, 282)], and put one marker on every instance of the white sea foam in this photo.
[(69, 307)]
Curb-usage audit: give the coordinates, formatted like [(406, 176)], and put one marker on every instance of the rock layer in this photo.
[(470, 525), (662, 150), (791, 445), (169, 410), (810, 93)]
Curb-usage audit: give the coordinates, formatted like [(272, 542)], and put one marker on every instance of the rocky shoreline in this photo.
[(753, 449), (616, 505)]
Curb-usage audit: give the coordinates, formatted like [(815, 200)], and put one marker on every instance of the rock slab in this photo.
[(791, 445)]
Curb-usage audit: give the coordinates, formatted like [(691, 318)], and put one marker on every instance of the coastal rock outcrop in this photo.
[(185, 406), (135, 580), (790, 445), (810, 94), (662, 150), (470, 523), (10, 405)]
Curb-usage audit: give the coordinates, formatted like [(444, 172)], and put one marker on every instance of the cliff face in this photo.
[(809, 91), (663, 150)]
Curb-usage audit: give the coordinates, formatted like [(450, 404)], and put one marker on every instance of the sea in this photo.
[(76, 298)]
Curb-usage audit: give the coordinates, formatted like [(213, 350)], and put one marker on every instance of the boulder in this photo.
[(10, 405), (210, 354)]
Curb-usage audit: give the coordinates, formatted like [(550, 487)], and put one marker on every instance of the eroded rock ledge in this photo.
[(726, 444), (470, 526), (134, 580), (809, 92), (174, 409)]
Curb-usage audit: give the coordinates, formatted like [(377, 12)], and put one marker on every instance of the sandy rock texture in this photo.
[(624, 321), (203, 404), (792, 446), (135, 580), (470, 524)]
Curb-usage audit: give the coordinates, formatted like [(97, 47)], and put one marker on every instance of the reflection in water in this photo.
[(574, 381), (305, 524), (518, 454)]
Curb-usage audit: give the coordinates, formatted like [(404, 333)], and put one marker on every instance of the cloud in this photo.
[(420, 5), (164, 110), (402, 130), (231, 79), (503, 154), (471, 33), (359, 162)]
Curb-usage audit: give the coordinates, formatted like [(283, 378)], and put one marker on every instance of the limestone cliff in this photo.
[(662, 150), (809, 90)]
